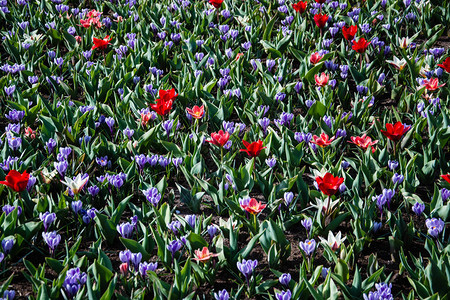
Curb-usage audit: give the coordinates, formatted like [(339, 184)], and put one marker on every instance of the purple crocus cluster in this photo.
[(383, 292), (73, 282), (152, 195), (435, 226)]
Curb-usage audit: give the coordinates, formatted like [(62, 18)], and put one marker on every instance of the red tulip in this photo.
[(219, 138), (321, 80), (216, 3), (253, 149), (320, 20), (361, 45), (349, 32), (329, 184), (101, 44), (363, 141), (445, 65), (196, 112), (315, 58), (300, 6), (18, 182), (446, 177), (323, 140), (396, 131), (254, 207), (432, 84), (164, 103), (320, 1)]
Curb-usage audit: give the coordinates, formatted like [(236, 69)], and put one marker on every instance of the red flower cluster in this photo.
[(93, 19), (320, 20), (253, 149), (216, 3), (349, 32), (219, 138), (363, 141), (445, 65), (16, 181), (328, 184), (254, 207), (361, 45), (300, 6), (101, 44), (164, 103), (395, 131), (315, 58), (323, 140)]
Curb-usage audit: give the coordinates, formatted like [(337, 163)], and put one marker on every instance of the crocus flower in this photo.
[(204, 255), (196, 112), (363, 141), (246, 267), (125, 230), (349, 32), (285, 279), (321, 80), (284, 295), (16, 181), (361, 45), (254, 207), (216, 3), (77, 184), (333, 241), (328, 184), (432, 84), (252, 149), (315, 58), (418, 208), (47, 219), (445, 65), (446, 177), (435, 226), (222, 295), (323, 140), (144, 267), (395, 131), (308, 246), (73, 282), (52, 239), (219, 138), (320, 20), (300, 6), (7, 245), (307, 223), (101, 44)]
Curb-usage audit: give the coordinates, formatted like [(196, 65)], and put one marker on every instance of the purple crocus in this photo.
[(73, 282), (435, 226), (128, 133), (125, 230), (167, 126), (285, 279), (308, 246), (222, 295), (7, 209), (110, 122), (144, 267), (152, 195), (47, 219), (9, 90), (271, 162), (7, 245), (288, 197), (283, 295), (246, 267), (397, 178), (52, 239), (174, 246), (190, 220)]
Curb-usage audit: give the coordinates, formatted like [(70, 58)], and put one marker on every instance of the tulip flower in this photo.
[(323, 140), (101, 44), (300, 6), (164, 103), (253, 149), (196, 112), (432, 84), (349, 32), (446, 177), (361, 45), (321, 80), (363, 141), (216, 3), (203, 255), (16, 181), (254, 207), (445, 65), (333, 241), (77, 184), (320, 20), (395, 131), (328, 184), (399, 64), (219, 138), (315, 58)]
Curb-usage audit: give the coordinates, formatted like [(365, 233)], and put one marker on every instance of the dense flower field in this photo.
[(186, 149)]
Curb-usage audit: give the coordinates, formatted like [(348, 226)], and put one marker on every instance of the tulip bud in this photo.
[(78, 38), (124, 269)]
